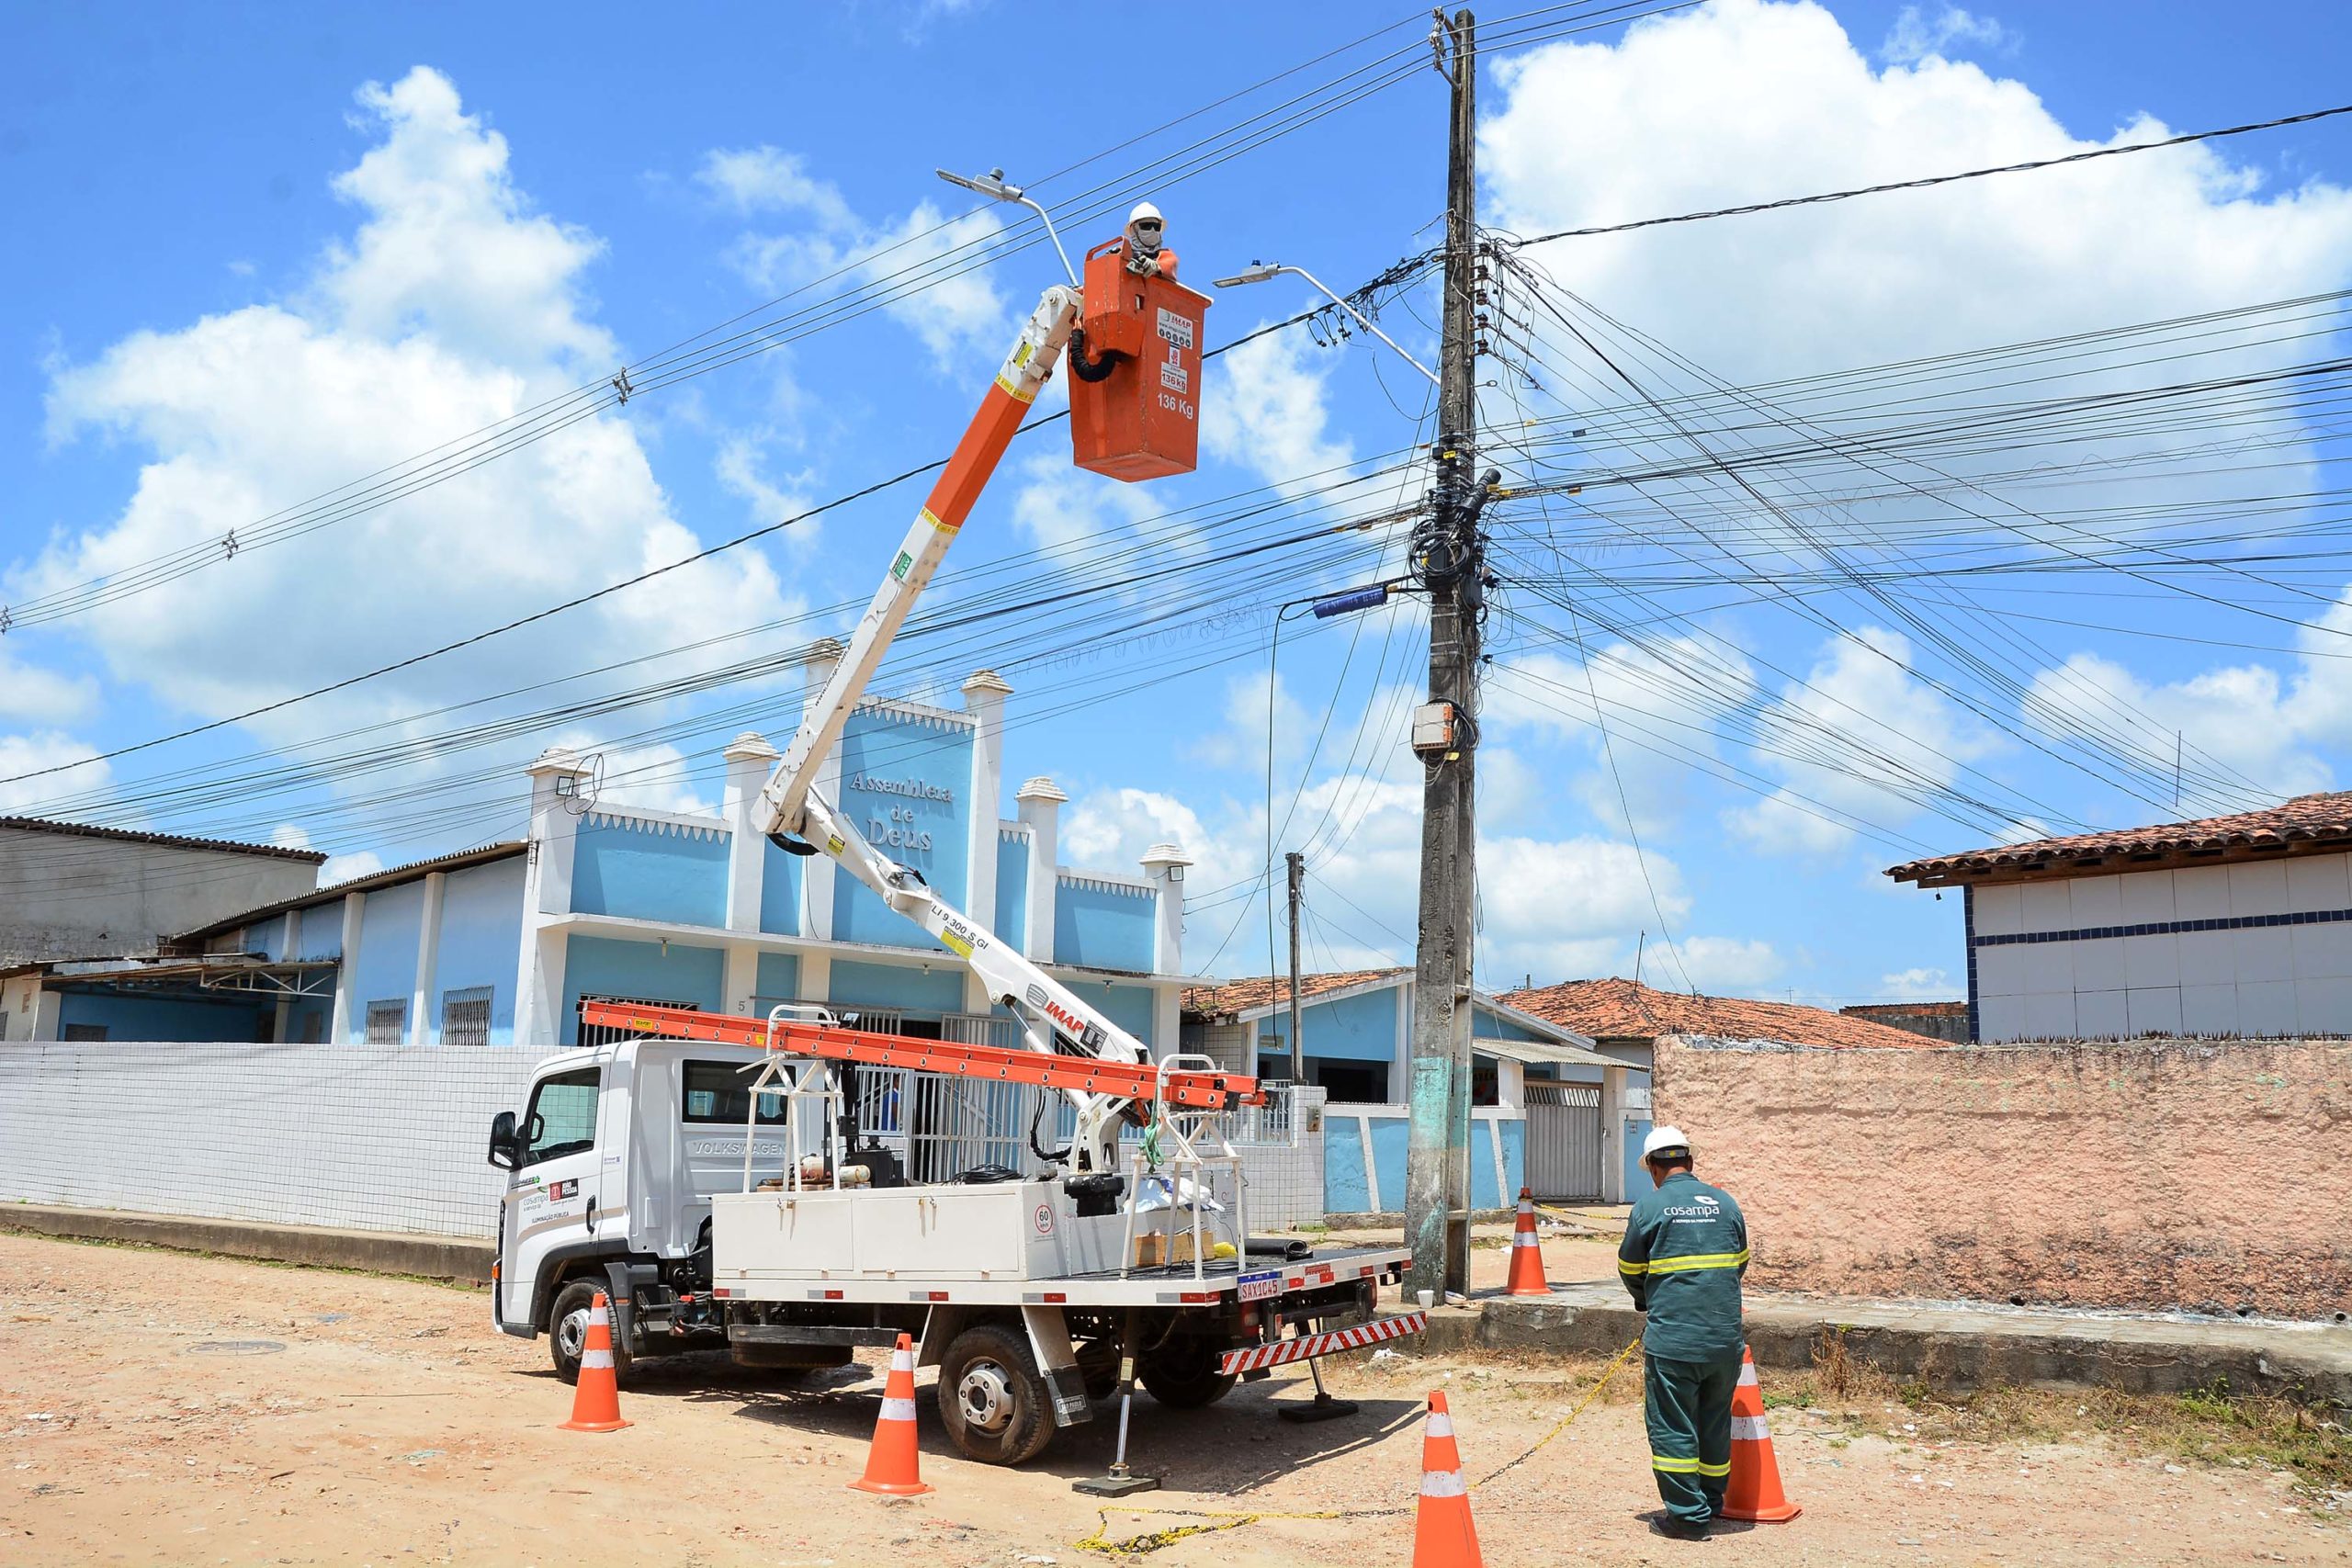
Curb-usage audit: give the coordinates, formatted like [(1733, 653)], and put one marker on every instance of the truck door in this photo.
[(550, 1203)]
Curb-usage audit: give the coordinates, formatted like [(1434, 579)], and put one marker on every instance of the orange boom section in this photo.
[(1194, 1089)]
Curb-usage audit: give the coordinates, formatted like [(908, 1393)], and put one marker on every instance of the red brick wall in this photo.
[(2147, 1175)]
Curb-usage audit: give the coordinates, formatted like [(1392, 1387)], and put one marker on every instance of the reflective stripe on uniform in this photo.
[(897, 1410), (1626, 1267), (1749, 1429), (1442, 1484), (1694, 1260), (1688, 1466)]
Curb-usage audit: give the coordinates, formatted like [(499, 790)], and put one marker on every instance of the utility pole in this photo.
[(1453, 568), (1297, 863)]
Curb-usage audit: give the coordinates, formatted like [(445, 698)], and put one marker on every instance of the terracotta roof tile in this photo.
[(1239, 995), (1906, 1010), (1618, 1008), (2306, 818), (173, 840)]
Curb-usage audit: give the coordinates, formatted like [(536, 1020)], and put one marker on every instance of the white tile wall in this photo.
[(2322, 952), (2050, 1015), (2318, 881), (2095, 901), (2147, 896), (1999, 910), (2258, 887), (2208, 958), (2049, 906), (2152, 960), (357, 1137), (2098, 965), (2324, 1006), (2267, 1008), (2000, 1017), (2153, 1011), (2000, 971), (2201, 893), (2264, 952), (2100, 1014), (2047, 965), (2209, 1010)]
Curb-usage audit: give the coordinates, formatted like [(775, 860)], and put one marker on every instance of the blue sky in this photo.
[(266, 250)]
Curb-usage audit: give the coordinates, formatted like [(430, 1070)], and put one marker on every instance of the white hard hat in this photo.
[(1145, 209), (1662, 1139)]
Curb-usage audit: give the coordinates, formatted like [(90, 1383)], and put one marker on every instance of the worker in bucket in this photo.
[(1146, 255), (1684, 1253)]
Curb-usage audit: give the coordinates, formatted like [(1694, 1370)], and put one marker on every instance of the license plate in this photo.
[(1260, 1287)]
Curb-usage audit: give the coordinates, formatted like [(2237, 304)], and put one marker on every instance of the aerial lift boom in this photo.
[(1053, 1017)]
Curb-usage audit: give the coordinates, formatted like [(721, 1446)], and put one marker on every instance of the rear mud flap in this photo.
[(1058, 1359)]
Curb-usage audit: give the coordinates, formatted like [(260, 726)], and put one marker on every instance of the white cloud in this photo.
[(1267, 412), (349, 867), (1745, 100), (1723, 966), (42, 696), (1859, 734), (1919, 986), (953, 315), (2237, 714), (46, 749), (451, 307), (1917, 36), (1075, 515)]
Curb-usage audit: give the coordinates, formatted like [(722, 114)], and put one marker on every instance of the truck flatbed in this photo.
[(1171, 1284)]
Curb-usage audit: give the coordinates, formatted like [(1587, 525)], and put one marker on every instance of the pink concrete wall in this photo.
[(2207, 1176)]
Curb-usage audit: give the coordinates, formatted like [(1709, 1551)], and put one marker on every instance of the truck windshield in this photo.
[(720, 1091), (562, 1118)]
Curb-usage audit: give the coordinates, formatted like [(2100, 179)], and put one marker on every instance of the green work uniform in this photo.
[(1685, 1249)]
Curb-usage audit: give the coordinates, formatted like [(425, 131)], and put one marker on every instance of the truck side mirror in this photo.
[(504, 1148)]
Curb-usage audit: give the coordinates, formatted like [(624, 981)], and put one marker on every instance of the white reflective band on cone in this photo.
[(1749, 1429), (602, 1358), (902, 1360), (599, 1318), (1440, 1426), (1524, 1239), (1442, 1484), (1747, 1374), (897, 1410)]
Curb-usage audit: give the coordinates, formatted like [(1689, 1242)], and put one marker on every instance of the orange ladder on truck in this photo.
[(1194, 1089)]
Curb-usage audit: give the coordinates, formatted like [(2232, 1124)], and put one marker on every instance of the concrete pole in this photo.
[(1295, 863), (1437, 1169)]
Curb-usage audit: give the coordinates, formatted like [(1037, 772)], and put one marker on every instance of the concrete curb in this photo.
[(1954, 1350), (380, 1252)]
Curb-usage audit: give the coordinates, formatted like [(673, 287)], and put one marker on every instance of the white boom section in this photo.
[(794, 811)]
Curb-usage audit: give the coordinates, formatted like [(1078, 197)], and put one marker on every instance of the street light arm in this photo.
[(992, 185), (1260, 272)]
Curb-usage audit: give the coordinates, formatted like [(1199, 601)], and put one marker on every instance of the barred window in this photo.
[(465, 1016), (85, 1032), (387, 1022)]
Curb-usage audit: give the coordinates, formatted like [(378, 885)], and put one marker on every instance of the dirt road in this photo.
[(161, 1408)]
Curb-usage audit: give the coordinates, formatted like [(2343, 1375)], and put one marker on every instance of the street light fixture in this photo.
[(1263, 272), (991, 185)]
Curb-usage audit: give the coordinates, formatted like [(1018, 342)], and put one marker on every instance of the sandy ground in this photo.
[(161, 1408)]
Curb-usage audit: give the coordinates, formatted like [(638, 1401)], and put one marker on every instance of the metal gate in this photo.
[(1563, 1142)]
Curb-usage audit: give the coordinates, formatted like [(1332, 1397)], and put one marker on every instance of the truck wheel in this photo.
[(568, 1330), (1182, 1375), (991, 1399)]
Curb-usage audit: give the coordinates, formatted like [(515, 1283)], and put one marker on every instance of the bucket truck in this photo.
[(740, 1181)]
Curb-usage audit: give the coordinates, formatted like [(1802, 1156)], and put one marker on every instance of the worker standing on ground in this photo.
[(1684, 1252)]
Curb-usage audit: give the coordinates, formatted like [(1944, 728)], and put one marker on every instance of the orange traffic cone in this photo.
[(1443, 1536), (892, 1465), (596, 1397), (1526, 1252), (1754, 1491)]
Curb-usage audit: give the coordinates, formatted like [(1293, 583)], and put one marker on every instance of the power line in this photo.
[(1926, 181)]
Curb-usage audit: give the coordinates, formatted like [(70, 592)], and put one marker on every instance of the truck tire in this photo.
[(991, 1399), (568, 1329), (1182, 1375)]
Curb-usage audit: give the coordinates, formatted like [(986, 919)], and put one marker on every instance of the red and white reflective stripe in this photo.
[(897, 1410), (591, 1359), (1748, 1375), (1442, 1484), (1749, 1429), (1306, 1346)]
